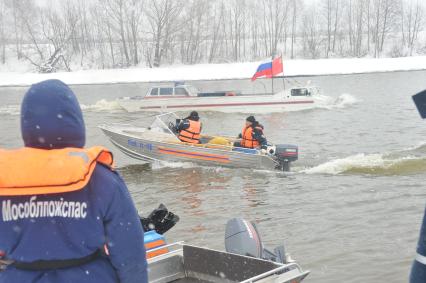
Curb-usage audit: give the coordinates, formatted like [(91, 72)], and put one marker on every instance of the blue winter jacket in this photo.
[(418, 270), (51, 118)]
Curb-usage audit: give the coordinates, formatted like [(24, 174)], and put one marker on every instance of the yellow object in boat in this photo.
[(220, 141)]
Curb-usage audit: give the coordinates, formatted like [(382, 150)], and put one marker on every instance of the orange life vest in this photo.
[(31, 171), (247, 138), (192, 134)]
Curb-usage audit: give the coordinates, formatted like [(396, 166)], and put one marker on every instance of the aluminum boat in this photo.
[(158, 142)]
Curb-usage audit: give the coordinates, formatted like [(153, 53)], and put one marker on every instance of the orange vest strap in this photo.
[(31, 171)]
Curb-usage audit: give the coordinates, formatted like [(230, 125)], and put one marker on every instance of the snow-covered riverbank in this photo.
[(292, 68)]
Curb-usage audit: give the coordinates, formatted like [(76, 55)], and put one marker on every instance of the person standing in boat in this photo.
[(189, 129), (66, 215), (252, 135)]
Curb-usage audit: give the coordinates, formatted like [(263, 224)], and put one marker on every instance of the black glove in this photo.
[(173, 128), (240, 136), (160, 219)]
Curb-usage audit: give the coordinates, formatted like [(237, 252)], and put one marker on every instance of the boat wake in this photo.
[(343, 101), (157, 165), (406, 162), (12, 110), (322, 102), (102, 105)]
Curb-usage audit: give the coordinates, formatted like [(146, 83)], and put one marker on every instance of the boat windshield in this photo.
[(164, 123), (192, 89)]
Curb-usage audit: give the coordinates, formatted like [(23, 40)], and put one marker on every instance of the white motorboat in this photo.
[(186, 98)]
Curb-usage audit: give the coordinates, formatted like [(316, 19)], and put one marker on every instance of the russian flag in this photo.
[(269, 69)]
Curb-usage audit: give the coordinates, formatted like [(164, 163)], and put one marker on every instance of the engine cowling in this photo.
[(286, 153)]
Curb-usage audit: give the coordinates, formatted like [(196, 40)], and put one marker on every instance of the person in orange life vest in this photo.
[(252, 135), (62, 204), (189, 129)]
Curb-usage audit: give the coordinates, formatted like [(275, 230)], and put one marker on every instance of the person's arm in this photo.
[(125, 236), (183, 125), (418, 269), (258, 135)]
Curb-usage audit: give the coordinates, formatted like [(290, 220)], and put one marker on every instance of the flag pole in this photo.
[(283, 75), (281, 56), (272, 75)]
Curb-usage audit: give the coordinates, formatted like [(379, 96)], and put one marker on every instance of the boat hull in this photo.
[(227, 104), (150, 150)]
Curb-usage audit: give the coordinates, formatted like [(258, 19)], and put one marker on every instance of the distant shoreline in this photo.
[(214, 72)]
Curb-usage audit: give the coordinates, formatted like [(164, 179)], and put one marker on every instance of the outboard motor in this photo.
[(286, 153), (242, 237), (160, 220)]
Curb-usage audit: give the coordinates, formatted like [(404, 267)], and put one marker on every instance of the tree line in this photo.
[(62, 35)]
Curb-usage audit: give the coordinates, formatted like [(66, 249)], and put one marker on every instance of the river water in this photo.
[(350, 211)]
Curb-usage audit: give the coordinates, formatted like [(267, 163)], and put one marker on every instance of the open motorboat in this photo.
[(182, 97), (159, 142), (188, 264), (245, 259)]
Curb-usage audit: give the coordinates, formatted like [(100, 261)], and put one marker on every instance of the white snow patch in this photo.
[(218, 71)]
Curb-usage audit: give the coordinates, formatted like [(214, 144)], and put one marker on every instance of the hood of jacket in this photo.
[(51, 117)]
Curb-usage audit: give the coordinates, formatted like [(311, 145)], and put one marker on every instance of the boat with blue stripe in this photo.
[(158, 142)]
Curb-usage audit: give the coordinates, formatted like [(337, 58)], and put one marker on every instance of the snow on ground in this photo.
[(219, 71)]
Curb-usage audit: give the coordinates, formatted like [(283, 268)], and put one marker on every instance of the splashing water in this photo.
[(164, 164), (103, 105), (13, 110), (343, 101), (157, 165), (406, 162)]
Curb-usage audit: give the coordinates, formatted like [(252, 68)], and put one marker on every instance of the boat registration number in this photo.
[(140, 145)]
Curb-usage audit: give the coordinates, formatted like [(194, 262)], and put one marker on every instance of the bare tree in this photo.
[(411, 22), (384, 20), (356, 18), (331, 14), (31, 28), (275, 14), (2, 31), (296, 7), (14, 7), (120, 33), (134, 15), (163, 17), (191, 36), (311, 34), (328, 16), (216, 21), (116, 10)]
